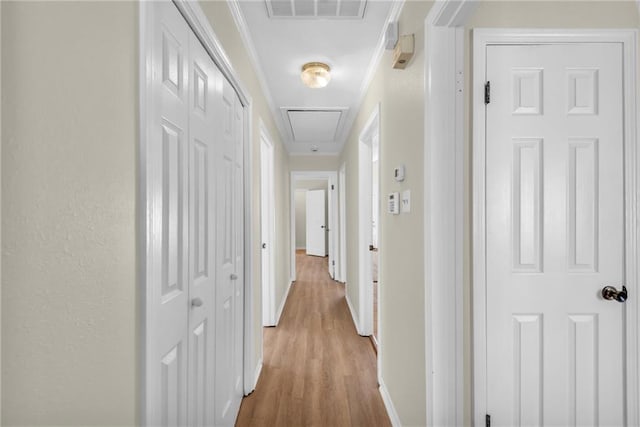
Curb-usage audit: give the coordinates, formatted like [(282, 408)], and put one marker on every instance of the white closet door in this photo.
[(316, 223), (202, 120), (229, 277), (239, 253), (167, 186)]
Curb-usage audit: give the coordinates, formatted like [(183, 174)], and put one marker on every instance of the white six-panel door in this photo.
[(555, 235), (316, 223), (194, 351)]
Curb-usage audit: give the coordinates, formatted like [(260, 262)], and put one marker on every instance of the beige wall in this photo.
[(525, 14), (399, 93), (69, 187), (314, 163)]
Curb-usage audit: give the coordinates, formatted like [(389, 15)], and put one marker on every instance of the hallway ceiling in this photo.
[(348, 35)]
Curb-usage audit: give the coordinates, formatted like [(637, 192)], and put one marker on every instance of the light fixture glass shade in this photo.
[(315, 74)]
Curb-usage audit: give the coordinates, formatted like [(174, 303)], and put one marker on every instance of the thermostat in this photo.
[(393, 204), (398, 173)]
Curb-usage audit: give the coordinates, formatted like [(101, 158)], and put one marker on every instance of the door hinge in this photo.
[(487, 93), (487, 420), (332, 187), (333, 263)]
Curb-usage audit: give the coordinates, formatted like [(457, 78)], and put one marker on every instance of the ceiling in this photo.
[(348, 35)]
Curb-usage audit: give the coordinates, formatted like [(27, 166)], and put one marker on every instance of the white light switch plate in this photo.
[(405, 205)]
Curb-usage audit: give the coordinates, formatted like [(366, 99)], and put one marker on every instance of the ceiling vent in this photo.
[(314, 125), (310, 9)]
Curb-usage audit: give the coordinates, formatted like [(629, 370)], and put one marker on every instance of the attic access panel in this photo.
[(308, 9), (314, 125)]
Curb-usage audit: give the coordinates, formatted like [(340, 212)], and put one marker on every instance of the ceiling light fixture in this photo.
[(315, 74)]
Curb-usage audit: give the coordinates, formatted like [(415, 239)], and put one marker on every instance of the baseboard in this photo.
[(353, 313), (388, 404), (257, 373), (284, 301)]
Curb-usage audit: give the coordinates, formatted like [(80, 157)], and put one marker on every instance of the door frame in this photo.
[(268, 289), (444, 183), (199, 24), (370, 131), (342, 194), (332, 178), (482, 39)]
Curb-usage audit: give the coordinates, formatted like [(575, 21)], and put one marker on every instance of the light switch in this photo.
[(405, 205)]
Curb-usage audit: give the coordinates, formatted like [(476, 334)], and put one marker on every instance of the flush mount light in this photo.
[(315, 74)]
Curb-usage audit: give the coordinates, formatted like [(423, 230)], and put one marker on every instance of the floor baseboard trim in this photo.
[(388, 404), (284, 301), (353, 316)]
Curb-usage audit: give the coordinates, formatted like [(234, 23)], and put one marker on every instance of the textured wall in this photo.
[(69, 141)]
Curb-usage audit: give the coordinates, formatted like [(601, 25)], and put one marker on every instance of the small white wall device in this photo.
[(393, 203), (398, 173)]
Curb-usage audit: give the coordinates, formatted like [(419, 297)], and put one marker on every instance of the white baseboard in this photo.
[(353, 313), (283, 302), (257, 374), (388, 404), (300, 247)]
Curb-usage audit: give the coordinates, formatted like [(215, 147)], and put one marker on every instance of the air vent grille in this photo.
[(321, 9)]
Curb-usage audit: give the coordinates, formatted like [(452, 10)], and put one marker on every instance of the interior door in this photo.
[(202, 201), (227, 400), (267, 222), (316, 223), (555, 235), (167, 186)]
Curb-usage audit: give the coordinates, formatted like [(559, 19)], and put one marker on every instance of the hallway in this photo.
[(317, 370)]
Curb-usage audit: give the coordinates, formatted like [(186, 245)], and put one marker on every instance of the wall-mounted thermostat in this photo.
[(398, 173), (393, 205)]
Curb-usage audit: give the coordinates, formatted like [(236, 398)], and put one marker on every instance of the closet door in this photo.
[(228, 298), (167, 219), (204, 78)]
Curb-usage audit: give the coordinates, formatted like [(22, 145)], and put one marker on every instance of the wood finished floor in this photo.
[(317, 370)]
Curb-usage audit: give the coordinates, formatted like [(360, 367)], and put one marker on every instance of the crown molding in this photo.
[(245, 35), (394, 15)]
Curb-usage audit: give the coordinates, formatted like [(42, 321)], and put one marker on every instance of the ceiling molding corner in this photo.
[(245, 35)]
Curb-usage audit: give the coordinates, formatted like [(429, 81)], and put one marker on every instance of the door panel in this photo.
[(202, 98), (316, 223), (168, 156), (555, 235), (229, 300)]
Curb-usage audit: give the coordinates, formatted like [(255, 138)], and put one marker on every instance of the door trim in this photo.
[(196, 19), (482, 39), (342, 189), (444, 202), (268, 290), (370, 131), (332, 207)]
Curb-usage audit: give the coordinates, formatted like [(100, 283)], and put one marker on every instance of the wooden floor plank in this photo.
[(317, 370)]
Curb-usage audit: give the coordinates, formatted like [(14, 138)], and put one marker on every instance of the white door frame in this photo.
[(342, 189), (268, 236), (195, 17), (482, 39), (443, 210), (370, 131), (332, 207)]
